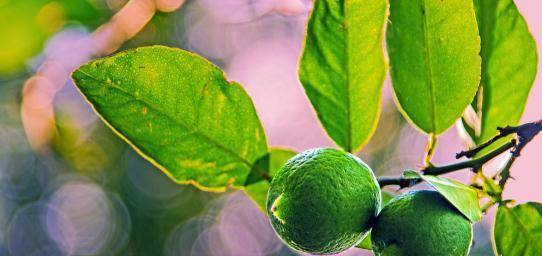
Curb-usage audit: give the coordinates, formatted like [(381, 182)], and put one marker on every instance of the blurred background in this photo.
[(69, 186)]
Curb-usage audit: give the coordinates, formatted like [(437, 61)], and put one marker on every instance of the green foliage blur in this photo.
[(26, 25)]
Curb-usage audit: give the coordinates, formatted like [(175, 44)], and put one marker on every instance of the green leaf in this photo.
[(518, 230), (179, 112), (461, 196), (275, 160), (343, 68), (509, 64), (434, 55), (366, 242)]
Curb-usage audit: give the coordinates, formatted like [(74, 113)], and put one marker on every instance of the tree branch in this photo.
[(402, 182), (430, 149), (475, 164), (503, 132), (525, 133)]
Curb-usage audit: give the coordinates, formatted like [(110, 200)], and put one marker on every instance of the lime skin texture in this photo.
[(421, 223), (323, 201)]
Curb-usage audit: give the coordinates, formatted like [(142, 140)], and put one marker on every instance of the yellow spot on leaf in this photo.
[(196, 164)]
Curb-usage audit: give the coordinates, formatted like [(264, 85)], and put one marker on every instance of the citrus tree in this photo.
[(470, 63)]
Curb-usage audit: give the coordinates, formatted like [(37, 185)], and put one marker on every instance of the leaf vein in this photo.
[(524, 228), (178, 122), (429, 73)]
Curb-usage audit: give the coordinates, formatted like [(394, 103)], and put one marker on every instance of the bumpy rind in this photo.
[(421, 223), (328, 200)]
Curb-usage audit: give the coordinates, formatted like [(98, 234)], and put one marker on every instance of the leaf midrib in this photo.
[(178, 122), (347, 82), (429, 73), (486, 16)]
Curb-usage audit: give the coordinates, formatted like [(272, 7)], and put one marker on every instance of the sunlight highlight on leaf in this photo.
[(178, 111)]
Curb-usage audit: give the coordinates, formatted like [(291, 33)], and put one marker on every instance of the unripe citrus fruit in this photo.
[(421, 223), (323, 201)]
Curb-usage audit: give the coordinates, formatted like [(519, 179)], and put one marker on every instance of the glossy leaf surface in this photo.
[(178, 111), (518, 230), (464, 198), (509, 64), (343, 67), (435, 64)]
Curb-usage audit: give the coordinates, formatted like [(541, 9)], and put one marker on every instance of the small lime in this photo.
[(421, 223), (323, 201)]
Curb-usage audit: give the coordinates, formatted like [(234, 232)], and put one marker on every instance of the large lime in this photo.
[(323, 201), (421, 223)]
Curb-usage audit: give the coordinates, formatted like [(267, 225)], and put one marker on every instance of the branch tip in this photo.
[(524, 133)]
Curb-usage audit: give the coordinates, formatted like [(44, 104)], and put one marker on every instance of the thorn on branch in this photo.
[(504, 173)]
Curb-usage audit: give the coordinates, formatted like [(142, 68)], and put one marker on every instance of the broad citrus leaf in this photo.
[(434, 51), (343, 68), (518, 230), (461, 196), (366, 243), (178, 111), (509, 64), (275, 160)]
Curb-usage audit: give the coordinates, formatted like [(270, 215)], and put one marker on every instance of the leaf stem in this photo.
[(430, 149)]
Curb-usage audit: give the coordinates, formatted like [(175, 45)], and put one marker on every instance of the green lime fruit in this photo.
[(323, 201), (421, 223)]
